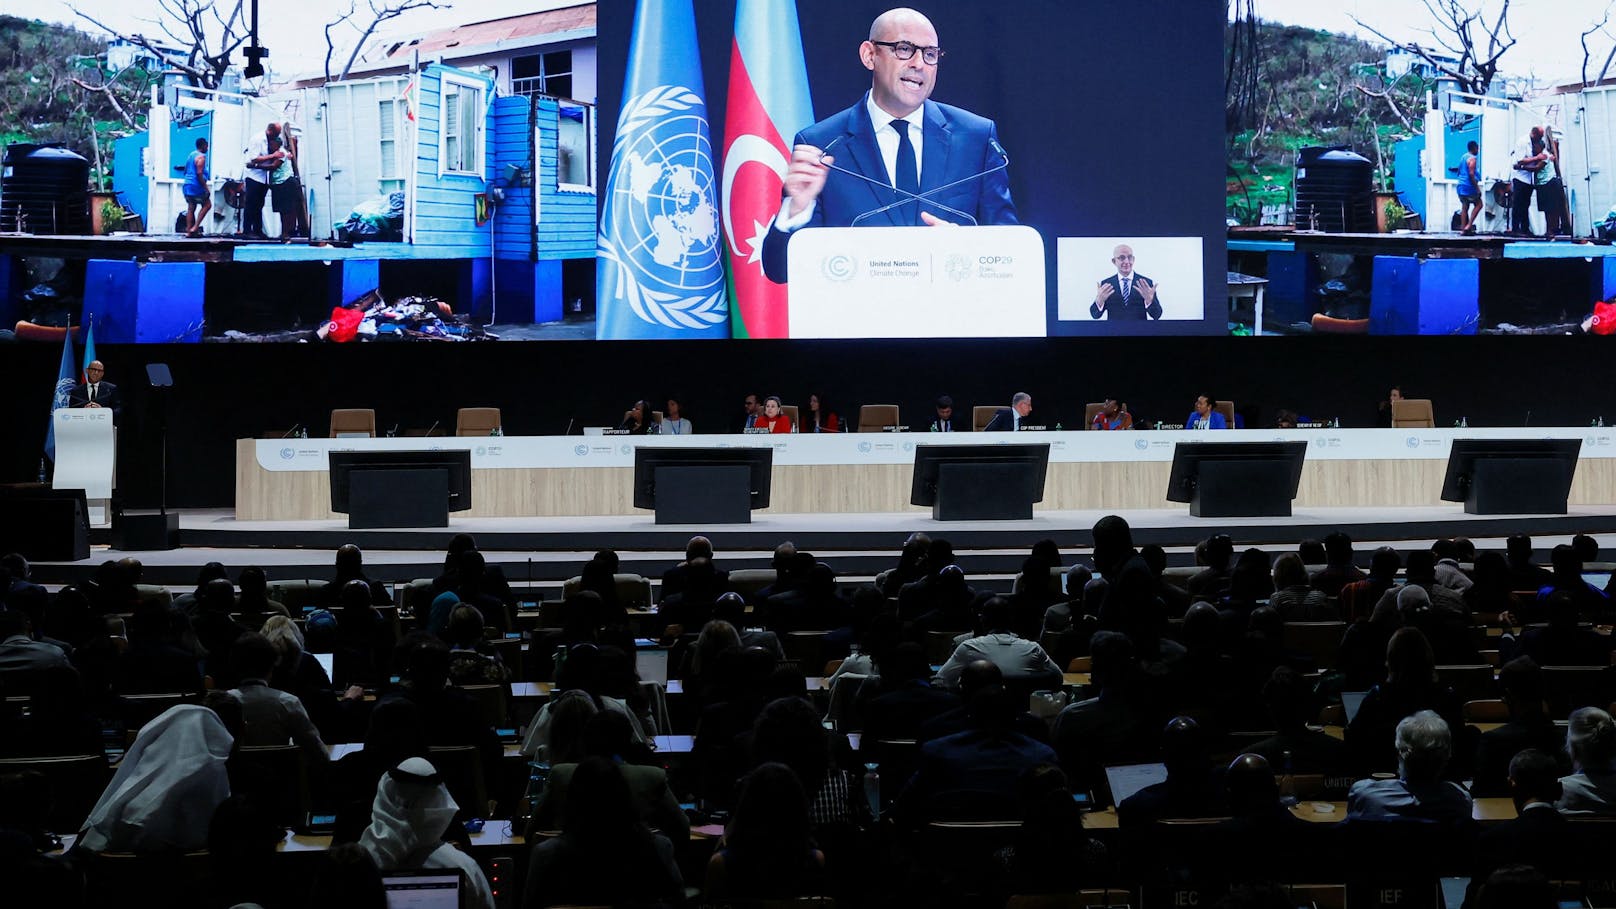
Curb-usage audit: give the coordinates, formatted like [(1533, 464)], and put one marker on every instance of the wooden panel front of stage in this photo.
[(869, 488)]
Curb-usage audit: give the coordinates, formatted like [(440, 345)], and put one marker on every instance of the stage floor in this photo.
[(548, 549)]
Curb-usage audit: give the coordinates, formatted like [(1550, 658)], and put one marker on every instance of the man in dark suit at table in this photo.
[(1126, 296), (95, 392), (900, 143), (1538, 835), (1009, 419)]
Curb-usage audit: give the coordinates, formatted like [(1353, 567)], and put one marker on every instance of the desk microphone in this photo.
[(1528, 419), (392, 432), (432, 427), (293, 431), (568, 430), (907, 197)]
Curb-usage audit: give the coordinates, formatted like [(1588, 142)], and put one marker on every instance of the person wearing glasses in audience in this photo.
[(892, 145)]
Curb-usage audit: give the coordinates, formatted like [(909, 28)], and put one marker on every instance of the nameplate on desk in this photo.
[(894, 429), (1029, 427), (756, 430), (615, 432)]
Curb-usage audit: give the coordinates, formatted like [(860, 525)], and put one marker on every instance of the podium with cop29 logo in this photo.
[(917, 282)]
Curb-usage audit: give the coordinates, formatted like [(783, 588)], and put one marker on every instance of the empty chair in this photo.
[(748, 581), (633, 590), (461, 767), (877, 417), (74, 783), (791, 411), (1413, 413), (982, 415), (477, 421), (1227, 409), (353, 422)]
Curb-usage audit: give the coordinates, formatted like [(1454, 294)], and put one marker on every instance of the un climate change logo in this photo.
[(839, 267), (660, 225)]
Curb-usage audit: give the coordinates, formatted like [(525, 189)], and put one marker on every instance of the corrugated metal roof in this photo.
[(462, 38)]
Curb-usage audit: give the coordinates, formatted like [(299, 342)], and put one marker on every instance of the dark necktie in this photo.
[(1127, 288), (92, 393), (907, 179)]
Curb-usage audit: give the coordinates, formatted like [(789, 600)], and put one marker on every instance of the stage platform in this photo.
[(551, 549)]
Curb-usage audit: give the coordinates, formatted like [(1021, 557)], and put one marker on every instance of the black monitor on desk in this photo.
[(400, 488), (1236, 479), (1511, 476), (988, 482), (703, 485)]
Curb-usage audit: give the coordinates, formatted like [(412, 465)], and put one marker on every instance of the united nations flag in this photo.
[(659, 251)]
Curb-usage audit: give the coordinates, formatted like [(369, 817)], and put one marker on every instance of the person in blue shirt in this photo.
[(1204, 416), (1469, 189), (198, 197)]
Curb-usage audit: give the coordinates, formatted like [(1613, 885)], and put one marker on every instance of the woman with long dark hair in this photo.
[(768, 852)]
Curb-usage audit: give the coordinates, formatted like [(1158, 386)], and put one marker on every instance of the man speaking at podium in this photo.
[(94, 391), (877, 162)]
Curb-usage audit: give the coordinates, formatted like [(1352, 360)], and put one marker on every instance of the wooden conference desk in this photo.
[(869, 473)]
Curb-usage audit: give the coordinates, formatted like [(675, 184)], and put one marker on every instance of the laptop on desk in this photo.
[(1127, 779), (425, 889), (1350, 702)]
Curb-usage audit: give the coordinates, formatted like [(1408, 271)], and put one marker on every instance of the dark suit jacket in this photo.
[(1132, 309), (656, 803), (1537, 837), (901, 713), (1003, 421), (970, 774), (106, 395), (957, 144)]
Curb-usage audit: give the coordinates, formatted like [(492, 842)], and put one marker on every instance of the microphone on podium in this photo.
[(908, 197)]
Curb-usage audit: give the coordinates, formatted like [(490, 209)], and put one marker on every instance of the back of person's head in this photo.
[(1113, 541), (939, 555), (730, 607), (1586, 547), (1466, 547), (581, 671), (1519, 548), (788, 731), (1534, 775), (1251, 578), (821, 580), (1561, 610), (979, 674), (1424, 745), (458, 543), (253, 656), (716, 637), (210, 571), (1413, 598), (349, 879), (1266, 622), (1445, 549), (1566, 564), (218, 596), (1311, 552), (1184, 746), (1421, 567), (599, 806), (470, 570), (699, 547), (1251, 784), (1409, 659), (1289, 571), (1219, 550), (227, 707), (15, 565), (783, 554), (427, 666), (1521, 682), (465, 626), (582, 615), (570, 713), (1155, 557), (1047, 551), (396, 732), (1385, 563), (905, 663), (608, 734), (355, 596), (1338, 549), (1202, 626), (1288, 698), (1112, 658), (1591, 739), (254, 584), (1077, 578), (350, 560), (1490, 571), (1516, 887), (993, 708), (951, 577), (996, 615), (770, 820)]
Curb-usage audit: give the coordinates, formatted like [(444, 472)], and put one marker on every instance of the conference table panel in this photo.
[(869, 473)]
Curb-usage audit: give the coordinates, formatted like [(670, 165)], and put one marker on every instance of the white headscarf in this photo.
[(411, 811), (167, 787)]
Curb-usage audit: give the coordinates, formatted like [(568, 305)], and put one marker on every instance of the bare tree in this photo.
[(206, 34), (376, 12), (1469, 43), (1598, 28)]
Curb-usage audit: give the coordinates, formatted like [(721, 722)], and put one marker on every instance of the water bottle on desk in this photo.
[(1287, 783), (872, 788)]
